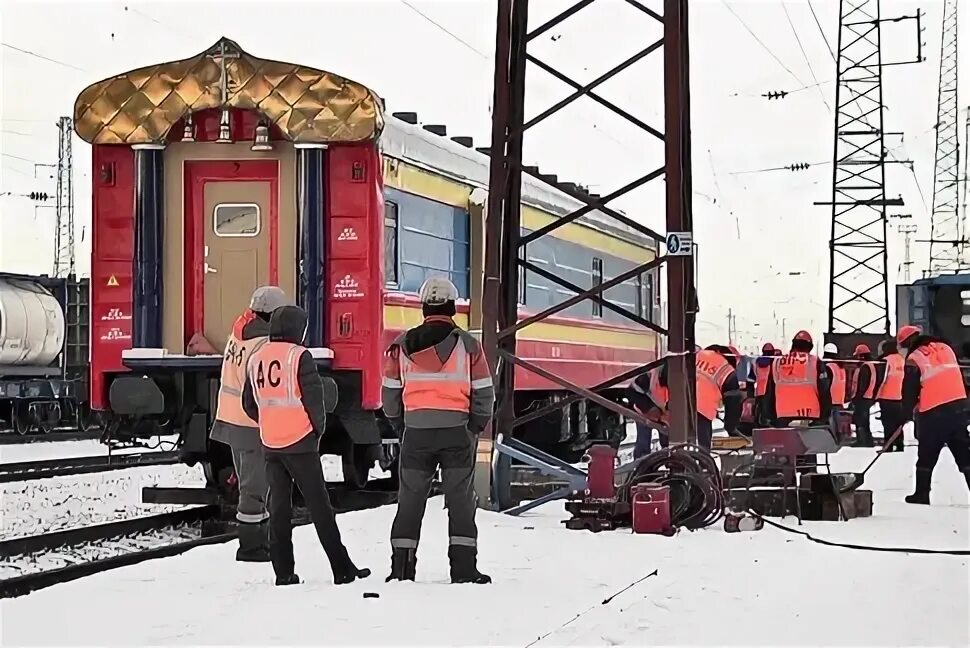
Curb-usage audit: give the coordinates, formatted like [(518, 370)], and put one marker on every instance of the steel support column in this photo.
[(146, 321), (311, 206), (504, 240)]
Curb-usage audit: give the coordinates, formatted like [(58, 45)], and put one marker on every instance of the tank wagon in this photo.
[(43, 353), (221, 172)]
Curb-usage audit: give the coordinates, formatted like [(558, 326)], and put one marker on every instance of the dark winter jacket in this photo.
[(288, 324), (440, 333), (824, 386), (864, 377), (242, 438), (912, 383)]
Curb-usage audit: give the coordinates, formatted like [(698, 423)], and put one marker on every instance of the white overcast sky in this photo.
[(753, 229)]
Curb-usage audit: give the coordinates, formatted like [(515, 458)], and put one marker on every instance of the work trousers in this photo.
[(250, 467), (705, 431), (891, 413), (944, 430), (423, 450), (645, 440), (861, 416), (303, 469)]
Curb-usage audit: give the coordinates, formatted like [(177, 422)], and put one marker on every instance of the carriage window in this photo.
[(236, 220), (597, 280), (390, 243)]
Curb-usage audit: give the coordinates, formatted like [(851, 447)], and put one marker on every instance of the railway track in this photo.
[(45, 469), (12, 438), (76, 553)]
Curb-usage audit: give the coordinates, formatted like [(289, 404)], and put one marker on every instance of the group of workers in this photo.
[(915, 377), (272, 409)]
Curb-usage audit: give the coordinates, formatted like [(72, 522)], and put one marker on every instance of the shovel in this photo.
[(858, 479)]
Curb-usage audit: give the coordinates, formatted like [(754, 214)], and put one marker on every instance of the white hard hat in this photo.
[(437, 291), (266, 299), (830, 348)]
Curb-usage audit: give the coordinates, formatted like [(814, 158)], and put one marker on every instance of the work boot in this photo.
[(291, 579), (403, 565), (922, 493), (253, 542), (464, 568), (349, 574)]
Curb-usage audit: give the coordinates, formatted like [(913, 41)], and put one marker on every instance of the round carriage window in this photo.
[(236, 219)]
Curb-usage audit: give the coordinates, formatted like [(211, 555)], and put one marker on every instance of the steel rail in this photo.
[(29, 470), (12, 438)]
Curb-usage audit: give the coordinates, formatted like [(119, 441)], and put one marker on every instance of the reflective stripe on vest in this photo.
[(761, 379), (234, 362), (941, 381), (837, 388), (796, 386), (447, 389), (273, 370), (712, 370), (892, 383)]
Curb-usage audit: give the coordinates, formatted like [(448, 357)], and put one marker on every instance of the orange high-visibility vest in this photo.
[(761, 379), (941, 381), (713, 370), (870, 392), (659, 394), (273, 369), (448, 389), (235, 359), (837, 389), (892, 383), (796, 386)]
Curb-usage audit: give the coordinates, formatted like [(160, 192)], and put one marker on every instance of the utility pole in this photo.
[(64, 223), (858, 289), (946, 236), (730, 327), (907, 229)]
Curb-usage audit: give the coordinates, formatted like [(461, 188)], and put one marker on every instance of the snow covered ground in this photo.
[(761, 588), (70, 449)]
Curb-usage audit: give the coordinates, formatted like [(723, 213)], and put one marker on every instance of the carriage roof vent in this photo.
[(465, 141), (486, 150), (437, 129), (550, 178), (409, 117)]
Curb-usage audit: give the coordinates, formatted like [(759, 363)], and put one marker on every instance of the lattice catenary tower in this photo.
[(64, 223)]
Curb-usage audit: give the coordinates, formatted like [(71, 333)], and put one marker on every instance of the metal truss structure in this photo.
[(858, 281), (947, 236), (503, 235), (64, 223)]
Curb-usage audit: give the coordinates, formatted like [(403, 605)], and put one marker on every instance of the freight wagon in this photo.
[(221, 172)]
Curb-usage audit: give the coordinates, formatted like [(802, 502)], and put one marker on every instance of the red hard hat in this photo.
[(768, 348), (861, 349), (804, 336), (906, 332)]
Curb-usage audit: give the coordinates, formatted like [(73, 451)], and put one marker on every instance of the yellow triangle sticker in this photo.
[(112, 280)]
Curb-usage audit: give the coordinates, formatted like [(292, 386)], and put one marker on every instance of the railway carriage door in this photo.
[(236, 254)]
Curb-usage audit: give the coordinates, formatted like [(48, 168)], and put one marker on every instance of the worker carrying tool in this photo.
[(437, 387), (716, 383), (837, 380), (933, 391), (285, 395), (241, 433), (649, 395), (862, 394), (798, 385), (889, 394)]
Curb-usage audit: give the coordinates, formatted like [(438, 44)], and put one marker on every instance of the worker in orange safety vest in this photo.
[(285, 395), (837, 377), (889, 393), (437, 387), (237, 430), (762, 367), (862, 394), (649, 395), (798, 385), (933, 391), (716, 383)]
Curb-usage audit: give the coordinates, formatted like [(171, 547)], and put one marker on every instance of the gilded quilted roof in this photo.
[(308, 105)]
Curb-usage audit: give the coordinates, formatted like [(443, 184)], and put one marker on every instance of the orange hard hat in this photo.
[(861, 349), (906, 332), (804, 336)]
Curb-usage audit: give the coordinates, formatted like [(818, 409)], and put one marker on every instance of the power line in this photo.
[(808, 62), (798, 166), (17, 157), (820, 30), (760, 42), (42, 57), (445, 29)]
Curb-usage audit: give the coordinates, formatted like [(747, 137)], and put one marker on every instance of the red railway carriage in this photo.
[(222, 172)]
